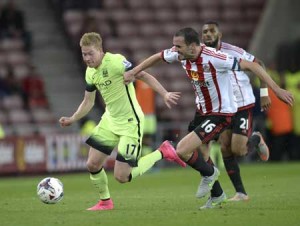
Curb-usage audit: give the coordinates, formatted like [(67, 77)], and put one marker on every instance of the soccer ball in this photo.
[(50, 190)]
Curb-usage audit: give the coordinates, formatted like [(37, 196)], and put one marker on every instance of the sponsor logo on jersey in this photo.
[(206, 67), (103, 85), (127, 64), (200, 83)]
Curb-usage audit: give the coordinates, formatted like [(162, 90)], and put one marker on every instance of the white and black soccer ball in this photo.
[(50, 190)]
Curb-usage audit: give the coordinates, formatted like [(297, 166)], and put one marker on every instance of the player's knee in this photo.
[(92, 166), (239, 150), (226, 149), (239, 145), (121, 178)]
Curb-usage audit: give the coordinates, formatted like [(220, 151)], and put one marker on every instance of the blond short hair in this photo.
[(91, 39)]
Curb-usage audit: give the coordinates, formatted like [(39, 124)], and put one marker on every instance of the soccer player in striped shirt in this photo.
[(234, 139), (207, 70)]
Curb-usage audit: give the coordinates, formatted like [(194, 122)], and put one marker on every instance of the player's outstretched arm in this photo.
[(84, 108), (282, 94), (265, 100), (129, 76), (170, 98)]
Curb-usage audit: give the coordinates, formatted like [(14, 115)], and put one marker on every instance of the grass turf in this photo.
[(158, 199)]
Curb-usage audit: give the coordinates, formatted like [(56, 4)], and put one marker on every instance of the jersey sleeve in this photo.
[(126, 65), (223, 61), (248, 56), (90, 86), (169, 55)]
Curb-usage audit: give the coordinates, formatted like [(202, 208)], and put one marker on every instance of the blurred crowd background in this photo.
[(42, 74)]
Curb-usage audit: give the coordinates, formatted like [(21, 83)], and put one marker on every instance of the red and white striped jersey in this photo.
[(210, 79), (241, 84)]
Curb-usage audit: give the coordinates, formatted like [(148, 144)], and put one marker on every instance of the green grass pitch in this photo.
[(160, 198)]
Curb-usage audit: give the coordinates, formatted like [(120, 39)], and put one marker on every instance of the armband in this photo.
[(264, 92)]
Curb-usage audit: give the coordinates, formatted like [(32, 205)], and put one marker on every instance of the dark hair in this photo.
[(189, 35), (212, 22)]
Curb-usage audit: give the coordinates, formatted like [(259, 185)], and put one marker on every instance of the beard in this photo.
[(213, 44)]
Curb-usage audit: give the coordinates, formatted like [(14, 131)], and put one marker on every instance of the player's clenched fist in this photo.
[(65, 121)]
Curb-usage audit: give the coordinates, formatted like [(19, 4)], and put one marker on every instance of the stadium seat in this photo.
[(25, 129), (20, 71), (42, 116), (17, 57), (158, 4), (2, 57), (17, 116), (253, 15), (187, 15), (121, 16), (160, 44), (115, 45), (184, 5), (254, 4), (210, 14), (165, 15), (169, 29), (98, 14), (136, 5), (112, 5), (12, 102), (208, 5), (231, 15), (12, 44), (137, 43), (233, 4), (73, 21), (46, 129), (3, 117), (143, 16), (3, 70), (71, 17), (104, 29), (126, 30), (149, 29), (139, 56), (227, 29), (9, 130)]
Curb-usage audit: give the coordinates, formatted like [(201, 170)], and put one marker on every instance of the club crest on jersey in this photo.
[(194, 75), (105, 73), (206, 68)]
